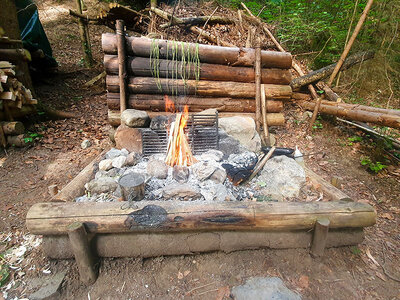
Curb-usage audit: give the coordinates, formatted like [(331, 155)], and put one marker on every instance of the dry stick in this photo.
[(83, 32), (3, 141), (205, 24), (296, 66), (257, 72), (208, 36), (351, 41), (264, 115), (121, 64), (348, 34), (261, 164)]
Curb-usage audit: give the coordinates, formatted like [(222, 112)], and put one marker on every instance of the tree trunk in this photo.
[(356, 114), (196, 104), (363, 107), (121, 58), (324, 72), (233, 56), (149, 85), (12, 128), (141, 66), (167, 216), (84, 34), (194, 21)]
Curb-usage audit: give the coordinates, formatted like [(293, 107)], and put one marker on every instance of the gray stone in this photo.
[(105, 164), (213, 155), (222, 194), (204, 169), (183, 191), (119, 162), (49, 287), (229, 145), (180, 173), (243, 129), (124, 152), (132, 159), (86, 144), (282, 177), (157, 168), (218, 176), (215, 192), (113, 153), (159, 122), (209, 111), (135, 118), (101, 185), (259, 288), (245, 159)]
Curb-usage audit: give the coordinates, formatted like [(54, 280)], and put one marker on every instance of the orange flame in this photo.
[(178, 149)]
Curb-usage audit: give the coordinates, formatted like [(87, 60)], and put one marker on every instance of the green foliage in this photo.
[(317, 125), (32, 136), (375, 167), (355, 250)]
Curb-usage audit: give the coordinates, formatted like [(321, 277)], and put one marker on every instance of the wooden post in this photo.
[(121, 63), (84, 34), (264, 111), (319, 238), (257, 66), (351, 41), (83, 256)]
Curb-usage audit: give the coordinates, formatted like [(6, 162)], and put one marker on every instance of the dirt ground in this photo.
[(369, 271)]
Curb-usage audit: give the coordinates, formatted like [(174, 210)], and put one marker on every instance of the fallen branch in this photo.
[(193, 21), (324, 72), (208, 36)]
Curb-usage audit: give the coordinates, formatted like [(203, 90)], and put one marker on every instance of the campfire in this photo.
[(178, 149)]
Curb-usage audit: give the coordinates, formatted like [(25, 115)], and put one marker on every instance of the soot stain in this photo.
[(225, 219), (148, 216), (178, 219)]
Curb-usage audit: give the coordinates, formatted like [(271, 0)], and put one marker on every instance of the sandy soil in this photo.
[(25, 174)]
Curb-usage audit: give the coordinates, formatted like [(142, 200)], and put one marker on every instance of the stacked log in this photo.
[(224, 81)]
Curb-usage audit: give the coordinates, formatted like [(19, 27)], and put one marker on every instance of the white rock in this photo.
[(101, 185), (113, 153), (157, 168), (214, 155), (204, 169), (124, 152), (119, 162), (135, 118), (105, 164), (86, 144), (243, 129)]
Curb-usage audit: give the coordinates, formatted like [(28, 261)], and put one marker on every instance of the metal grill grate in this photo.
[(201, 130)]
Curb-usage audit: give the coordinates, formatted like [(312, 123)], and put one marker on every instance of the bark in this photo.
[(257, 70), (331, 95), (363, 107), (141, 66), (194, 21), (207, 53), (161, 216), (122, 73), (389, 120), (149, 85), (320, 237), (15, 55), (12, 128), (196, 104), (324, 72)]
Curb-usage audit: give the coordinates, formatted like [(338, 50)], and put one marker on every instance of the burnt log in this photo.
[(324, 72), (141, 67), (194, 21), (352, 113), (149, 85), (165, 216), (196, 104), (207, 54)]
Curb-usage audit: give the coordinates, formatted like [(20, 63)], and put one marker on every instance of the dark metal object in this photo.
[(279, 151), (201, 131)]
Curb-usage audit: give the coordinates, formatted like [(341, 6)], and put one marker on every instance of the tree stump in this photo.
[(319, 238)]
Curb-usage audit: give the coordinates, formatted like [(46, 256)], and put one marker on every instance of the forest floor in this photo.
[(369, 271)]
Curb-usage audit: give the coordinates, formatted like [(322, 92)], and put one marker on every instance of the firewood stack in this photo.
[(225, 78), (15, 98)]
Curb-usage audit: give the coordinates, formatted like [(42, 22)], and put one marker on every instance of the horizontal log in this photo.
[(12, 128), (150, 85), (181, 243), (207, 54), (363, 107), (273, 119), (158, 216), (355, 114), (15, 55), (324, 72), (196, 104), (141, 67), (194, 21)]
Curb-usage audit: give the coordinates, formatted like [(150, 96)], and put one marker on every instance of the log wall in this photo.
[(225, 79)]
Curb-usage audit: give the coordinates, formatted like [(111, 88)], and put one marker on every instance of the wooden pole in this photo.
[(351, 41), (261, 163), (83, 256), (84, 34), (121, 64), (257, 66), (319, 238), (264, 110)]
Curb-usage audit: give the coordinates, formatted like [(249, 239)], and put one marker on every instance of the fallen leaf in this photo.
[(303, 281), (186, 273), (371, 257), (380, 276), (223, 292), (387, 216), (180, 275)]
